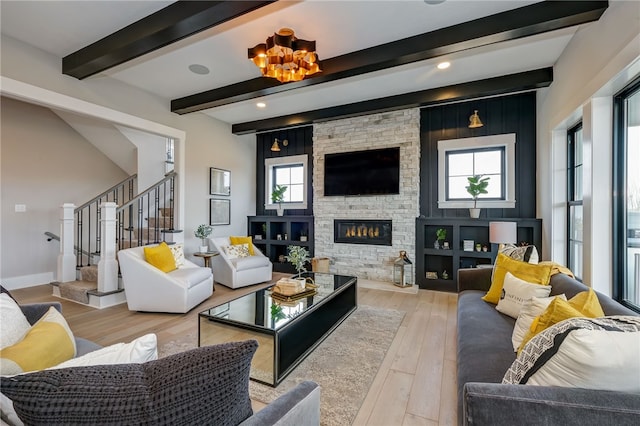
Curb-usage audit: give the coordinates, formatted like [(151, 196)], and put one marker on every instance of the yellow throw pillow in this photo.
[(161, 257), (583, 304), (49, 342), (242, 240), (534, 274)]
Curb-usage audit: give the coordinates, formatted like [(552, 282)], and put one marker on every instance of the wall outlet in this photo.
[(21, 208)]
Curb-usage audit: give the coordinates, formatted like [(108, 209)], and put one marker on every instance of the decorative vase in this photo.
[(436, 244), (474, 213), (280, 211), (204, 249)]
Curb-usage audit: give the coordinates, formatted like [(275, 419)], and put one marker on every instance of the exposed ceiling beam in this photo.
[(510, 25), (511, 83), (164, 27)]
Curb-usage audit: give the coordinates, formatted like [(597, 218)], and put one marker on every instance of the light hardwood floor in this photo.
[(416, 383)]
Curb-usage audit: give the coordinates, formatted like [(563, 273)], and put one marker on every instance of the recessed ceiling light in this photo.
[(198, 69), (444, 65), (434, 2), (261, 105)]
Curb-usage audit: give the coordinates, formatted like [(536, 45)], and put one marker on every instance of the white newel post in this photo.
[(108, 266), (66, 258)]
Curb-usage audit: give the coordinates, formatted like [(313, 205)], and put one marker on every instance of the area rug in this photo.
[(344, 365)]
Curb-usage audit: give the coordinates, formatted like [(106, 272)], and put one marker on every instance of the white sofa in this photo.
[(239, 272), (149, 289)]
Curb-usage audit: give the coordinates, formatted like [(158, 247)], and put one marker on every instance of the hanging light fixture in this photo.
[(474, 120), (285, 57)]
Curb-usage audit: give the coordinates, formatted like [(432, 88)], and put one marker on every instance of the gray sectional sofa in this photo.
[(485, 352)]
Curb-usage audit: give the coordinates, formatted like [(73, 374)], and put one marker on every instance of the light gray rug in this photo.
[(344, 365)]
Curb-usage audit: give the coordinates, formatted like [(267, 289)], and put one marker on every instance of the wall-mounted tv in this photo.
[(372, 172)]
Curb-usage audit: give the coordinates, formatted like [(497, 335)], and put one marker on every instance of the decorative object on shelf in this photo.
[(277, 197), (285, 57), (257, 237), (281, 258), (485, 248), (477, 185), (502, 233), (219, 181), (203, 231), (303, 236), (432, 275), (478, 247), (279, 237), (441, 234), (474, 120), (219, 212), (299, 257), (467, 245), (445, 245), (286, 236), (275, 147), (403, 270), (445, 275)]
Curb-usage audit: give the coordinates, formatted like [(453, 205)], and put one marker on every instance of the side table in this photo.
[(207, 257)]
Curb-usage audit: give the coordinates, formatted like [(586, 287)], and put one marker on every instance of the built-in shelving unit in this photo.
[(432, 260), (272, 235)]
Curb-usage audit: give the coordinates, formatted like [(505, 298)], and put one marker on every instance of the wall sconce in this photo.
[(474, 120), (275, 147)]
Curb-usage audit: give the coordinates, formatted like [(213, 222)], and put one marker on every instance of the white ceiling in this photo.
[(339, 27)]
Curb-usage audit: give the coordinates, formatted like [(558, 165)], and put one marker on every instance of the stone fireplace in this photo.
[(361, 231), (353, 257)]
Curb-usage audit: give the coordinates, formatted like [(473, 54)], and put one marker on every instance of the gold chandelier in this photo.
[(285, 57)]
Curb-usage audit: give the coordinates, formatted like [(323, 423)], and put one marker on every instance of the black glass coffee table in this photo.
[(287, 331)]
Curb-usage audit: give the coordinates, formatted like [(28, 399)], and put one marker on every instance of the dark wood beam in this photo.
[(511, 83), (164, 27), (510, 25)]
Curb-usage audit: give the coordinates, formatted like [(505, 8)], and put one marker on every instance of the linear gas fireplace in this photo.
[(361, 231)]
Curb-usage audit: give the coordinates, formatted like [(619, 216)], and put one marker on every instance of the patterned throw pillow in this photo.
[(515, 292), (178, 254), (237, 250), (590, 353), (527, 254), (203, 386)]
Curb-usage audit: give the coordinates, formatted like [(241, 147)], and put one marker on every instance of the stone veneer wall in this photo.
[(388, 129)]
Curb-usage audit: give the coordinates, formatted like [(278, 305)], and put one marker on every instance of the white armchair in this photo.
[(149, 289), (239, 272)]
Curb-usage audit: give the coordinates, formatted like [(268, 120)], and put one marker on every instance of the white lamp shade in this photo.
[(503, 232)]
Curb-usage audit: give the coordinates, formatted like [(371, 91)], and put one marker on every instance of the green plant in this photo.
[(441, 234), (202, 232), (277, 194), (276, 312), (477, 185), (299, 257)]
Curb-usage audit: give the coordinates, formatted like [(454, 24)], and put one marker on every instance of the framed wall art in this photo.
[(219, 181), (219, 212)]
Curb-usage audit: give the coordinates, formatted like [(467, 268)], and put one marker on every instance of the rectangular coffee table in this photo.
[(286, 331)]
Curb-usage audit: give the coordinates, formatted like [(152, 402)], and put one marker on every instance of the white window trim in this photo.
[(269, 164), (508, 141)]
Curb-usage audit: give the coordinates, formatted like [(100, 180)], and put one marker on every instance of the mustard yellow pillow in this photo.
[(161, 257), (49, 342), (534, 274), (583, 304), (242, 240)]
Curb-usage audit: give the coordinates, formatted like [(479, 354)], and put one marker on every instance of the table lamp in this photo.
[(502, 233)]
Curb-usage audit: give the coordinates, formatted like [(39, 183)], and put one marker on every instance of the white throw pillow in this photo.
[(590, 353), (527, 254), (531, 309), (14, 324), (235, 251), (515, 292), (177, 250), (140, 350)]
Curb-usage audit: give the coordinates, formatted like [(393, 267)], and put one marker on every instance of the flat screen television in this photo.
[(372, 172)]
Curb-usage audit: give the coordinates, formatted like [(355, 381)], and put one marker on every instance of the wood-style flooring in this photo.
[(416, 384)]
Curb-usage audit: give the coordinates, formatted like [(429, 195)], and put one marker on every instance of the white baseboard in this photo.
[(25, 281)]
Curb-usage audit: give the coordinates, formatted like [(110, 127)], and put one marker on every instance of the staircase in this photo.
[(139, 220)]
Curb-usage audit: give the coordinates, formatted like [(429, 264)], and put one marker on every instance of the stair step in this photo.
[(89, 273)]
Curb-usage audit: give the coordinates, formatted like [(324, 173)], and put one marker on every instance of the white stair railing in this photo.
[(108, 265)]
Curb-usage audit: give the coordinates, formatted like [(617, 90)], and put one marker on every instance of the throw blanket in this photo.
[(557, 268)]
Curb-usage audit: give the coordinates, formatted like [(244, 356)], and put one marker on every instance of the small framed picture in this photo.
[(432, 275), (219, 181), (219, 212), (467, 245)]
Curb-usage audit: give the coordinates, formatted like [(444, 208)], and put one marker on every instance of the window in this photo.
[(626, 190), (574, 199), (489, 156), (290, 172)]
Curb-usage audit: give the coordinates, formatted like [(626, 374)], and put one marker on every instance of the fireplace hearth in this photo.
[(362, 231)]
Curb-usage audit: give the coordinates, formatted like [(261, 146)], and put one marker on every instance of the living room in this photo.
[(597, 61)]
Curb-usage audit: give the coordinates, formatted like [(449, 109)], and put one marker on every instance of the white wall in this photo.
[(600, 59), (44, 163), (208, 141)]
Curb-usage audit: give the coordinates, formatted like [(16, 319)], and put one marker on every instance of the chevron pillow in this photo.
[(591, 353)]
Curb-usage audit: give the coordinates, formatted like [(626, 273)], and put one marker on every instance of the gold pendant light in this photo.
[(474, 120)]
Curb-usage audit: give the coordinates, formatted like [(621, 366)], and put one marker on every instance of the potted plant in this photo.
[(203, 231), (299, 257), (477, 185), (303, 235), (277, 196), (441, 234)]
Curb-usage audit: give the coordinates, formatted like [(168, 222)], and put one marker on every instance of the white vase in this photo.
[(204, 249), (474, 213), (280, 211)]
